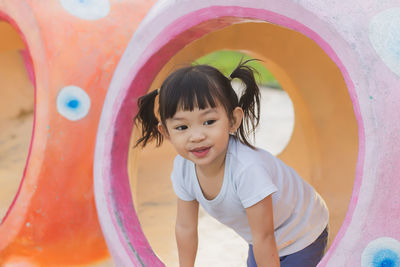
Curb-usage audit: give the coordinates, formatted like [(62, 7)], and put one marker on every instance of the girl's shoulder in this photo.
[(244, 157)]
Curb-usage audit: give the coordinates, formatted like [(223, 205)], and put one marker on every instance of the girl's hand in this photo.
[(260, 217)]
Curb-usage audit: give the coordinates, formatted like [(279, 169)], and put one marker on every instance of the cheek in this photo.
[(225, 128), (178, 140), (221, 135)]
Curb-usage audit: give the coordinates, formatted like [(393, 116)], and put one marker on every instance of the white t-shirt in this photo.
[(300, 214)]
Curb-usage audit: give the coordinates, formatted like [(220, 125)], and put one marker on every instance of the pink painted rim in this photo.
[(26, 55), (172, 39)]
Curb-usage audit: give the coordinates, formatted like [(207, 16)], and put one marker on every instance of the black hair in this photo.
[(200, 86)]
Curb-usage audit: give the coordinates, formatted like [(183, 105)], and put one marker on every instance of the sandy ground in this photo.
[(14, 145), (16, 122), (218, 245)]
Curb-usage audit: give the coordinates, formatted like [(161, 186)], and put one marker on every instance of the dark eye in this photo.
[(209, 122), (181, 127)]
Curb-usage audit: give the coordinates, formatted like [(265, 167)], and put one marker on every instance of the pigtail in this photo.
[(148, 120), (249, 101)]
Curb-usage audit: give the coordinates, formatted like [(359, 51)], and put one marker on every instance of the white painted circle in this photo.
[(384, 251), (384, 33), (73, 103), (87, 9)]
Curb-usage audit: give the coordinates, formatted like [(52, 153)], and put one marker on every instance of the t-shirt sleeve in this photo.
[(181, 180), (253, 184)]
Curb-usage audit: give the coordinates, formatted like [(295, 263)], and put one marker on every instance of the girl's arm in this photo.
[(186, 231), (260, 217)]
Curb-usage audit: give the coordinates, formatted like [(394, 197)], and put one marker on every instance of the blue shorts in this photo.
[(307, 257)]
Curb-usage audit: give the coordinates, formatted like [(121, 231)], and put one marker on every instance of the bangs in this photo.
[(187, 91)]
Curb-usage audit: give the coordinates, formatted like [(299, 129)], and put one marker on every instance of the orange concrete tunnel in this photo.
[(323, 147)]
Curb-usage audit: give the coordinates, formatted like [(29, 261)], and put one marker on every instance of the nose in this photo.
[(197, 136)]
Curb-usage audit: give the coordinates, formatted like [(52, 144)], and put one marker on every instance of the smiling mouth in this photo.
[(200, 152)]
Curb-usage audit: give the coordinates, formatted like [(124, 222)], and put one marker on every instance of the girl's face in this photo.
[(202, 135)]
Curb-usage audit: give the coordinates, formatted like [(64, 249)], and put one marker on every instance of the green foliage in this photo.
[(226, 61)]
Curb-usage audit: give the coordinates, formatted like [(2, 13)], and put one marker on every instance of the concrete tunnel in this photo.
[(324, 143)]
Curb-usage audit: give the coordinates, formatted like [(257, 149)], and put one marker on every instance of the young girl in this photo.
[(283, 218)]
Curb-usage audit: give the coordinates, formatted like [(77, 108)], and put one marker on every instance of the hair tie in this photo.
[(158, 91), (229, 77)]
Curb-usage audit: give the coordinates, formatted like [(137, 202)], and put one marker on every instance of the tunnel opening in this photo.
[(320, 100), (17, 96), (318, 144)]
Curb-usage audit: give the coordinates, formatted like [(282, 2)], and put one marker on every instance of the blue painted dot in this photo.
[(387, 263), (73, 103), (386, 258), (381, 252)]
